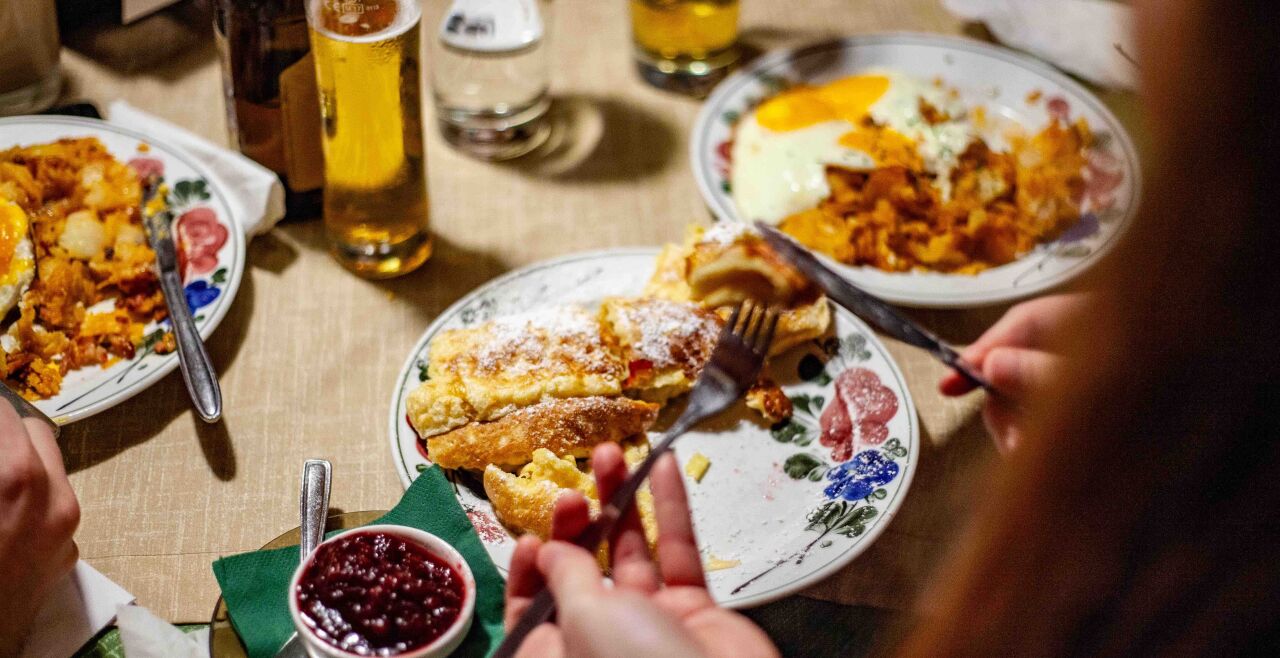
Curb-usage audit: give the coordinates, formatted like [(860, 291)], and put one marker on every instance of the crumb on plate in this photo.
[(697, 466)]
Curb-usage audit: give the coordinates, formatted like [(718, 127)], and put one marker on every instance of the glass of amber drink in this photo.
[(367, 70), (684, 45)]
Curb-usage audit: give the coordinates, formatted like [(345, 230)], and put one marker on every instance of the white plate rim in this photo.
[(235, 269), (837, 562), (724, 91)]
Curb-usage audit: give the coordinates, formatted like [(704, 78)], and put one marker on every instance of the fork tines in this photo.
[(755, 324)]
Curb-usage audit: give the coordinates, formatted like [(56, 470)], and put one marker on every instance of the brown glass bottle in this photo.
[(273, 109)]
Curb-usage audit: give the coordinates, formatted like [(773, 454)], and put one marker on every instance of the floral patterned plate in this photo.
[(210, 250), (780, 508), (1012, 87)]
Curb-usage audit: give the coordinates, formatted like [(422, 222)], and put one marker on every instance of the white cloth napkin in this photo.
[(1080, 36), (83, 604), (145, 635), (254, 189)]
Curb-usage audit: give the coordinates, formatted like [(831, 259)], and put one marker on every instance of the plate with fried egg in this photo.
[(931, 171), (511, 388), (83, 324)]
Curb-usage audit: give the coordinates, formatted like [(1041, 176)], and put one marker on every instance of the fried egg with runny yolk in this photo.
[(17, 261), (781, 150)]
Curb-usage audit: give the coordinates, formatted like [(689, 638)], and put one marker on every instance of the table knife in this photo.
[(868, 307), (193, 360)]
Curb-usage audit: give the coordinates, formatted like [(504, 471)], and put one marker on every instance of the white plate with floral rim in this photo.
[(211, 251), (790, 504), (1003, 82)]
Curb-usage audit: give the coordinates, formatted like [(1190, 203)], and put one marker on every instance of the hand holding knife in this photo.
[(869, 308)]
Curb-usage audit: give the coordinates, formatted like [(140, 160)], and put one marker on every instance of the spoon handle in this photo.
[(314, 504)]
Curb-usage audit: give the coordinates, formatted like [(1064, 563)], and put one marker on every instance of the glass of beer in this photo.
[(685, 45), (368, 74)]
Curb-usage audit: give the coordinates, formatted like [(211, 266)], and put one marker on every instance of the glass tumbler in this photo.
[(685, 45), (30, 78)]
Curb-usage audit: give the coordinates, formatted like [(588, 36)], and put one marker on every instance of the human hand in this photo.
[(651, 610), (1016, 356), (38, 515)]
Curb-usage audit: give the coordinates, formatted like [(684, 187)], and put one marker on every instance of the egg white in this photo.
[(776, 174), (779, 173), (939, 145)]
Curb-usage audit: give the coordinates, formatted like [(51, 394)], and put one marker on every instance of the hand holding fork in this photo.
[(734, 366)]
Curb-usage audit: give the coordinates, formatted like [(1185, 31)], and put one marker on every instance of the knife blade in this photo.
[(193, 359), (869, 308)]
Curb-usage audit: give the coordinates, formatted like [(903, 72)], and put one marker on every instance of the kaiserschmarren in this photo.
[(486, 372), (568, 427), (728, 264), (525, 398)]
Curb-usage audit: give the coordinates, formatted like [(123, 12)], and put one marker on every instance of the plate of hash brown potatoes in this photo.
[(932, 171), (511, 387), (83, 324)]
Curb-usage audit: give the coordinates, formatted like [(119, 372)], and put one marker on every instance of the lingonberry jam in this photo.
[(378, 594)]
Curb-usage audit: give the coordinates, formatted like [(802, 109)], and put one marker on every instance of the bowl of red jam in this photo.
[(383, 590)]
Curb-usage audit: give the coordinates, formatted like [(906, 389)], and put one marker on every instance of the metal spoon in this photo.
[(314, 507)]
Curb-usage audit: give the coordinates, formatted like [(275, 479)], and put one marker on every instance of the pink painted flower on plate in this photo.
[(200, 236), (147, 167)]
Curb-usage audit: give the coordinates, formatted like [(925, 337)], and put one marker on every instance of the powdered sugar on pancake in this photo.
[(549, 337), (667, 334), (726, 233)]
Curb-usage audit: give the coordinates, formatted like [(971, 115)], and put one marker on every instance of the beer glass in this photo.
[(684, 45), (30, 79), (367, 70)]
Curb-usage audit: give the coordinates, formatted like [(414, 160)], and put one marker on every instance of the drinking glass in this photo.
[(684, 45), (368, 74), (30, 79)]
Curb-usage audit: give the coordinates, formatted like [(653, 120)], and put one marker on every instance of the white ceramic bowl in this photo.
[(443, 645)]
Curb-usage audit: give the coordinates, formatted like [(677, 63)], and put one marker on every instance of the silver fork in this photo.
[(734, 366)]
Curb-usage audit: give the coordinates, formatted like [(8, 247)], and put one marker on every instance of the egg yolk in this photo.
[(13, 228), (885, 145), (846, 99)]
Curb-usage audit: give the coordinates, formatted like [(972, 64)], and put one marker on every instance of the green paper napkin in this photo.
[(255, 585)]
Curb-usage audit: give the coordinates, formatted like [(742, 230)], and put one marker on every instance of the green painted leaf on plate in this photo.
[(802, 466)]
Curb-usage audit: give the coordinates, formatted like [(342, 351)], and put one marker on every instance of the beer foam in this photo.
[(408, 13)]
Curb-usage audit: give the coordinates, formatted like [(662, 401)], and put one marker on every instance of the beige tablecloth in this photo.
[(309, 353)]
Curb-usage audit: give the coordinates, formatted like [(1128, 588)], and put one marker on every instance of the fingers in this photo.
[(1004, 424), (678, 557), (545, 641), (23, 475), (632, 567), (13, 435), (64, 509), (953, 384), (1028, 325), (572, 575), (46, 446), (524, 581), (570, 517), (1020, 373), (1021, 376)]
